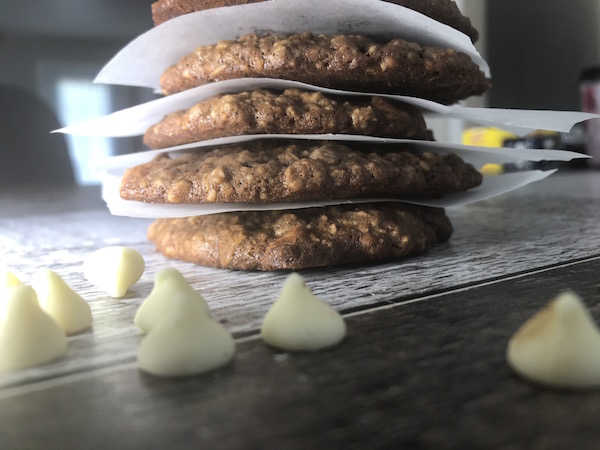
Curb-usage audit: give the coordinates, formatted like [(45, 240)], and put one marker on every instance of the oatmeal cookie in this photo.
[(445, 11), (350, 62), (290, 112), (270, 171), (304, 238)]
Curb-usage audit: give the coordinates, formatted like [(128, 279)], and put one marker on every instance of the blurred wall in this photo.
[(35, 35), (537, 48), (42, 43)]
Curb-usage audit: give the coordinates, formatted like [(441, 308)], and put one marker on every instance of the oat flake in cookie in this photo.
[(304, 238), (292, 111), (350, 62), (279, 171), (445, 11)]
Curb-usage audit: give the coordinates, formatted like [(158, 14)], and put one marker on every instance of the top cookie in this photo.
[(445, 11), (163, 10), (350, 62)]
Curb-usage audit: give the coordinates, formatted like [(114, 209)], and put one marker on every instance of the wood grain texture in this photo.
[(424, 374)]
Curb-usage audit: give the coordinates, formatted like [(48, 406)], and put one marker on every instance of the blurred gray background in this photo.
[(50, 51)]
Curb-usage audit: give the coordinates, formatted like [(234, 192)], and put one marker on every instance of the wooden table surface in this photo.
[(423, 365)]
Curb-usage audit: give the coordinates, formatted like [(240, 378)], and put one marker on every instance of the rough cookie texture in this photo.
[(269, 171), (299, 239), (163, 10), (349, 62), (290, 112), (445, 11)]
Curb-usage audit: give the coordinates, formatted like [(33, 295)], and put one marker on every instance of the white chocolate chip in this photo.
[(167, 284), (70, 311), (184, 342), (559, 346), (28, 336), (114, 269), (300, 321), (8, 281)]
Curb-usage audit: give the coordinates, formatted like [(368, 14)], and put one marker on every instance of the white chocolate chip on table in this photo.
[(299, 321), (184, 342), (8, 281), (70, 311), (559, 346), (167, 284), (28, 335), (114, 269)]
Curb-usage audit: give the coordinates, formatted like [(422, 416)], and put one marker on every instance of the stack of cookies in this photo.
[(271, 170)]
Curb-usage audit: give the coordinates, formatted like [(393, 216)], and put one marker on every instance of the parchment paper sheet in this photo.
[(491, 186), (135, 120), (473, 154)]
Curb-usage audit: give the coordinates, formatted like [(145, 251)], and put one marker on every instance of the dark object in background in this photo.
[(29, 154), (589, 85), (548, 140)]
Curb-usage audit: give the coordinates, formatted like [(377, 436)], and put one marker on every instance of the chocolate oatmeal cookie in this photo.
[(304, 238), (163, 10), (269, 171), (445, 11), (354, 63), (290, 112)]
